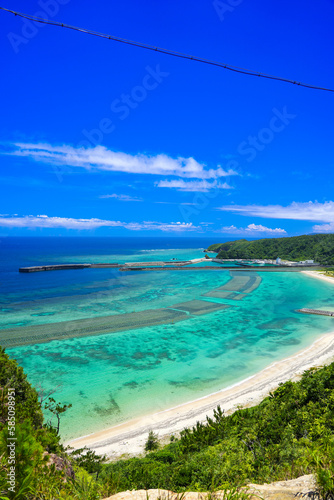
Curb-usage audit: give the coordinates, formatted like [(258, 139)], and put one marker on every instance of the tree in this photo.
[(26, 398), (56, 409), (89, 460), (26, 455), (152, 442)]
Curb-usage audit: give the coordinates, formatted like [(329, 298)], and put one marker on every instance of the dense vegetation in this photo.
[(317, 247), (289, 434), (36, 443)]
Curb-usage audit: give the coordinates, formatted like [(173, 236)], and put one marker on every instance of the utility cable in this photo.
[(166, 51)]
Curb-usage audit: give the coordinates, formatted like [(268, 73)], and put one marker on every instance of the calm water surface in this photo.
[(115, 377)]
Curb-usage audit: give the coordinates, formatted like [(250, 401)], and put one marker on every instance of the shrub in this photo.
[(152, 442)]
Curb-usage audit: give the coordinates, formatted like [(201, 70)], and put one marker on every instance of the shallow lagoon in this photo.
[(115, 377)]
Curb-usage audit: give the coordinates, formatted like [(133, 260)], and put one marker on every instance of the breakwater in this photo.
[(166, 266), (127, 265), (319, 312), (57, 267), (276, 269)]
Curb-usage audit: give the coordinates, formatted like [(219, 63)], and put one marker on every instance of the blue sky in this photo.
[(101, 138)]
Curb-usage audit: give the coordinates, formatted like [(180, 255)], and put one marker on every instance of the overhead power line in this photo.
[(166, 51)]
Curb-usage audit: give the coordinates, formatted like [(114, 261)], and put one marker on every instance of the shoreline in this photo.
[(319, 275), (129, 437)]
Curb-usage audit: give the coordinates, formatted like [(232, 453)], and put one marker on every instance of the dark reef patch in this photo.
[(132, 385)]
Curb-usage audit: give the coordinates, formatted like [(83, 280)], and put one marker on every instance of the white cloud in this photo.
[(101, 158), (312, 211), (181, 185), (43, 221), (323, 228), (174, 203), (252, 229), (121, 197)]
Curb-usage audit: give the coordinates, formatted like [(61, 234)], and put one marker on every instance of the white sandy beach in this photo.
[(129, 438), (319, 275)]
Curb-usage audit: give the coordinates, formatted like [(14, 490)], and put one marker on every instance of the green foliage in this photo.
[(27, 406), (56, 409), (322, 457), (35, 478), (215, 247), (235, 494), (28, 457), (317, 247), (329, 272), (152, 442), (88, 460), (48, 438)]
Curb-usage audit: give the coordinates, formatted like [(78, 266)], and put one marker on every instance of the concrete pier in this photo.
[(126, 265), (185, 265), (319, 312), (105, 265), (56, 267), (273, 269), (162, 263)]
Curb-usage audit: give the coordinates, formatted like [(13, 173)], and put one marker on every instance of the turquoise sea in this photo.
[(115, 377)]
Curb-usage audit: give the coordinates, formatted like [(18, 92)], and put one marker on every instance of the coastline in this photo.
[(129, 438), (318, 275)]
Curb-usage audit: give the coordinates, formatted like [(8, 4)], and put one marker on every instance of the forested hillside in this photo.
[(317, 247), (33, 463)]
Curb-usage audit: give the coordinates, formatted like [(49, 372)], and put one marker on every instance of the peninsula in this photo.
[(316, 247)]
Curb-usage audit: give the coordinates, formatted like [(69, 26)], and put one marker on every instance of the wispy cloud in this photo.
[(311, 211), (101, 158), (197, 186), (120, 197), (252, 229), (323, 228), (43, 221), (174, 203)]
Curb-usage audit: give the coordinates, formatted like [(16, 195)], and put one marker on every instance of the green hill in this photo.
[(317, 247)]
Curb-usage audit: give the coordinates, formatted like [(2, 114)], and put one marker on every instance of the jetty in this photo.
[(319, 312), (263, 265), (257, 269), (167, 266), (126, 265), (57, 267)]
